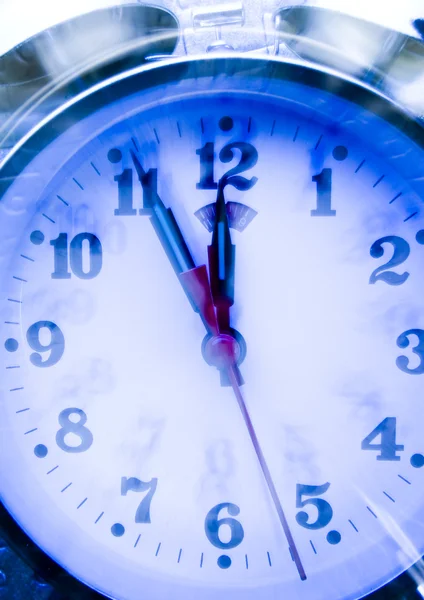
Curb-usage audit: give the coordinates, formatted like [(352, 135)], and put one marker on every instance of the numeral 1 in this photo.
[(207, 161), (324, 183), (125, 194)]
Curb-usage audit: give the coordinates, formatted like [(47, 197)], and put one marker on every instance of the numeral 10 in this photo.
[(72, 255)]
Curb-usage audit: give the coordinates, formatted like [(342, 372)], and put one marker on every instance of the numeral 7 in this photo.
[(132, 484)]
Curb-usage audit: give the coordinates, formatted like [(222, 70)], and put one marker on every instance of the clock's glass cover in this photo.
[(126, 454)]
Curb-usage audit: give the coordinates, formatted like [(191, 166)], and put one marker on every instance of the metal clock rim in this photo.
[(143, 78), (171, 70)]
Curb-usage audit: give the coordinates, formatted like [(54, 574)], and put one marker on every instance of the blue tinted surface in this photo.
[(126, 393)]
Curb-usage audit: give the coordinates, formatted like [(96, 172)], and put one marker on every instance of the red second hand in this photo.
[(292, 546)]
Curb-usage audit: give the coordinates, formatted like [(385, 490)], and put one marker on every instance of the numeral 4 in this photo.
[(387, 446)]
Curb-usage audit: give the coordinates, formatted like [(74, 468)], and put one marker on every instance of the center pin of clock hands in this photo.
[(222, 348)]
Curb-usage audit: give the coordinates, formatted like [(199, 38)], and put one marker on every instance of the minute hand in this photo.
[(222, 256), (194, 280)]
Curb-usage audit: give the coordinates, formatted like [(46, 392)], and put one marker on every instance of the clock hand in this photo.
[(222, 255), (232, 375), (222, 258), (194, 280)]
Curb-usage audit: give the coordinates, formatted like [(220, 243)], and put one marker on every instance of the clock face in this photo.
[(124, 454)]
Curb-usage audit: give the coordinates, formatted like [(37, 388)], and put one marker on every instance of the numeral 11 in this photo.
[(149, 184)]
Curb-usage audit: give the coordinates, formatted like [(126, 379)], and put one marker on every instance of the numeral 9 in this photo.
[(55, 346)]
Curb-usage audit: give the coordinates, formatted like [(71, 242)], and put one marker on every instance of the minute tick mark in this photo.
[(273, 128), (158, 548), (179, 555), (98, 518), (27, 258), (78, 183), (388, 496), (396, 197), (296, 134), (404, 479), (95, 168), (135, 144), (66, 487), (48, 218), (353, 525), (31, 431), (20, 279), (378, 181), (156, 136), (137, 540), (62, 200), (82, 503), (179, 129), (269, 559), (313, 547), (318, 142), (410, 216), (372, 512), (360, 166), (51, 470)]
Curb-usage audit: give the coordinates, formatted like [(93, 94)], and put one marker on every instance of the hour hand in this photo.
[(222, 254), (222, 257), (194, 280)]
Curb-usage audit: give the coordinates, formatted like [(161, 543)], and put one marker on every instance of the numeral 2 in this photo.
[(401, 251)]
